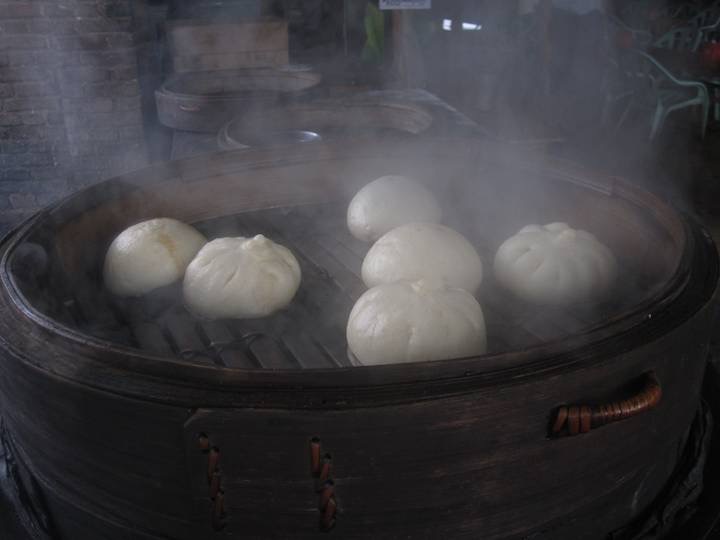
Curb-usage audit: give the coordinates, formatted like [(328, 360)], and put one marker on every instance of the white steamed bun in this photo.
[(241, 278), (555, 264), (423, 250), (415, 322), (389, 202), (149, 255)]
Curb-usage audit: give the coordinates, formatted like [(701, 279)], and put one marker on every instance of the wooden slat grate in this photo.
[(310, 333)]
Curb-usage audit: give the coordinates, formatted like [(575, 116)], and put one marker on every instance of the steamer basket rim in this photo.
[(437, 377)]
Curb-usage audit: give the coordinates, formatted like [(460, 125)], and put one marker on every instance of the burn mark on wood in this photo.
[(216, 493), (315, 450), (321, 471)]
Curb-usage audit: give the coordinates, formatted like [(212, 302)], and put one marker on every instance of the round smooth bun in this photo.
[(414, 322), (423, 250), (241, 278), (149, 255), (389, 202)]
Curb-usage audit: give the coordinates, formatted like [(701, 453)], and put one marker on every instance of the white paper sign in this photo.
[(405, 4)]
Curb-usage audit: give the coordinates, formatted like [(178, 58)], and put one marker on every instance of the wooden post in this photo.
[(408, 65), (545, 10)]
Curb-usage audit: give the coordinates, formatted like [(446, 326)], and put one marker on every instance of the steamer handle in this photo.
[(577, 419), (189, 108)]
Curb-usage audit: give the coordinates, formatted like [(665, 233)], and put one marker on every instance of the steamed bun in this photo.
[(149, 255), (423, 250), (555, 264), (241, 278), (389, 202), (415, 322)]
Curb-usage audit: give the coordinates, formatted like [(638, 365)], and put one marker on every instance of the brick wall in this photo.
[(70, 109)]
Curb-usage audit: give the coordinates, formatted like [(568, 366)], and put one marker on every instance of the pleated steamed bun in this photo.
[(555, 264), (241, 278), (150, 255), (389, 202), (414, 322)]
